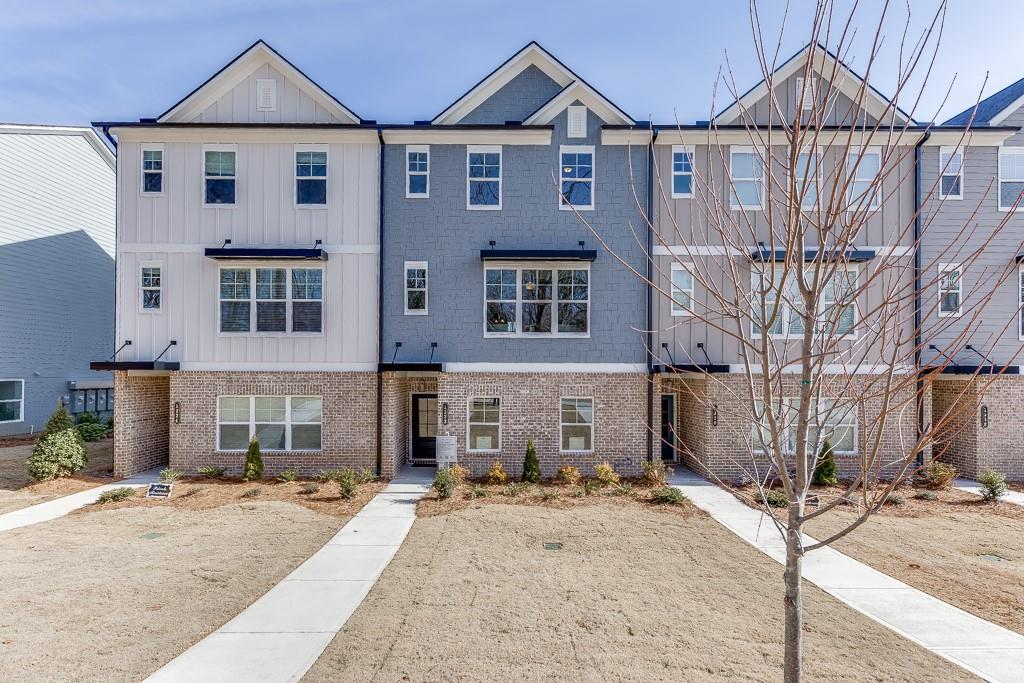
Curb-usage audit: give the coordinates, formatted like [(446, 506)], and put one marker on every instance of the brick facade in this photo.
[(397, 391), (141, 423), (965, 441)]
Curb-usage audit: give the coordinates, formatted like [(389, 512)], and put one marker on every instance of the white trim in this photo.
[(21, 401), (830, 369), (266, 88), (151, 147), (685, 250), (574, 112), (1020, 302), (289, 300), (485, 149), (579, 368), (1009, 151), (951, 268), (579, 91), (591, 424), (630, 137), (417, 149), (968, 138), (284, 134), (470, 423), (943, 167), (576, 149), (554, 267), (681, 149), (809, 95), (856, 202), (460, 136), (426, 288), (731, 136), (275, 366), (756, 160), (233, 148), (288, 423), (142, 289), (304, 147), (182, 248), (1007, 112), (677, 312)]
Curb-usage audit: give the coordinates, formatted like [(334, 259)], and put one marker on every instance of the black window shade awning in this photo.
[(538, 254), (265, 253), (851, 255), (107, 365)]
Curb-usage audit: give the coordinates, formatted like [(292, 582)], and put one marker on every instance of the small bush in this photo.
[(515, 488), (255, 492), (655, 472), (253, 462), (88, 418), (993, 485), (605, 474), (459, 472), (478, 492), (939, 475), (825, 471), (926, 495), (365, 476), (622, 489), (445, 482), (286, 476), (211, 472), (310, 488), (59, 451), (667, 495), (531, 465), (92, 431), (325, 476), (170, 474), (549, 495), (895, 499), (774, 498), (116, 495), (496, 476), (568, 475), (348, 483)]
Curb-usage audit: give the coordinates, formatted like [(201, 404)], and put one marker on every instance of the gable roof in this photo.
[(237, 70), (535, 55), (579, 90), (994, 109), (824, 62)]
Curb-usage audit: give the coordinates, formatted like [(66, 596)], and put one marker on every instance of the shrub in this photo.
[(568, 475), (92, 431), (993, 485), (459, 472), (478, 492), (605, 474), (667, 495), (59, 451), (311, 487), (88, 418), (170, 474), (825, 471), (926, 495), (939, 475), (774, 498), (655, 472), (211, 472), (445, 482), (622, 489), (253, 462), (515, 488), (254, 492), (531, 465), (286, 476), (324, 476), (496, 476), (895, 499), (116, 495), (365, 476), (348, 483), (549, 495)]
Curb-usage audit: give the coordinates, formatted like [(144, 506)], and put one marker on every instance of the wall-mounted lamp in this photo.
[(177, 412), (984, 416)]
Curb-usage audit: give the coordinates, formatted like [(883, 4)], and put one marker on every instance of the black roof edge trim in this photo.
[(538, 254)]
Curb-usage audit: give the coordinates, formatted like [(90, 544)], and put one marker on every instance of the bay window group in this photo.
[(537, 300), (271, 300)]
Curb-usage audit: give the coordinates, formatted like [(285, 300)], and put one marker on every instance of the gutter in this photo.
[(650, 317), (380, 304), (919, 394)]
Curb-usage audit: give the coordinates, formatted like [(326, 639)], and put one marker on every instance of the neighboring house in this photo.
[(56, 272)]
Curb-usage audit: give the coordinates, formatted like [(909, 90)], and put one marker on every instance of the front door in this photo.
[(668, 426), (424, 428)]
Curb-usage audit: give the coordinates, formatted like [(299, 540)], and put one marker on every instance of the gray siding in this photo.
[(520, 97)]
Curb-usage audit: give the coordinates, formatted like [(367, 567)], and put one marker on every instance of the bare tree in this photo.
[(826, 333)]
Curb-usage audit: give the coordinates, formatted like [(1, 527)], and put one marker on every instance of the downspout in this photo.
[(380, 304), (919, 396), (650, 316)]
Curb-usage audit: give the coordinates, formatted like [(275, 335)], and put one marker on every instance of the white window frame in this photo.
[(817, 152), (142, 288), (562, 425), (681, 149), (576, 149), (20, 401), (469, 424), (486, 149), (155, 147), (289, 300), (1020, 302), (677, 310), (554, 267), (406, 288), (946, 155), (296, 177), (422, 149), (733, 195), (288, 423), (786, 309), (570, 131), (204, 177), (855, 202), (951, 268), (789, 406), (1007, 151)]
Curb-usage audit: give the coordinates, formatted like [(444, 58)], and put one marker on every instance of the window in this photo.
[(310, 177), (531, 301), (12, 400), (863, 167), (1011, 178), (746, 171), (484, 424), (266, 94), (682, 171), (950, 290), (577, 424), (806, 95), (577, 121), (682, 290), (219, 176), (483, 177), (808, 176), (417, 171), (832, 420), (150, 284), (1020, 302), (279, 423), (577, 176), (152, 169), (789, 319), (415, 287), (276, 307), (951, 172)]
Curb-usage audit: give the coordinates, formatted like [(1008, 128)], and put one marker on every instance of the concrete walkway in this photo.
[(971, 486), (983, 648), (58, 507), (282, 634)]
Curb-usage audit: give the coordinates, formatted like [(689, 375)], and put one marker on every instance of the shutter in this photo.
[(577, 122), (266, 94)]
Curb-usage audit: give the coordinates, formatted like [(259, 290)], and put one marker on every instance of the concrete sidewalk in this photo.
[(971, 486), (58, 507), (981, 647), (282, 634)]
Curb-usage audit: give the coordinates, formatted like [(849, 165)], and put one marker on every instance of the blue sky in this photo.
[(399, 60)]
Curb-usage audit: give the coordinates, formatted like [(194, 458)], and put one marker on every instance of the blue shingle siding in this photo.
[(520, 97)]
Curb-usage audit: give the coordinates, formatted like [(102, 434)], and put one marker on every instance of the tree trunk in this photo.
[(792, 666)]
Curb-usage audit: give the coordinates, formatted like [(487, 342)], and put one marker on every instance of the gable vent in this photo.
[(266, 94), (577, 122), (807, 103)]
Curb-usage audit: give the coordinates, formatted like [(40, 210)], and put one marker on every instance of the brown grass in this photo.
[(18, 490)]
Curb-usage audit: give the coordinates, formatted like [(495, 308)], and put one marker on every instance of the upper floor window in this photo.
[(682, 171), (1011, 178), (528, 301), (577, 177), (863, 167), (808, 175), (682, 290), (152, 169), (150, 287), (783, 307), (483, 177), (219, 175), (951, 173), (576, 117), (746, 170), (311, 177), (12, 400), (417, 171), (415, 287), (484, 424), (283, 300), (950, 290)]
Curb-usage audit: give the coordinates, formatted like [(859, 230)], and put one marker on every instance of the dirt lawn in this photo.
[(635, 594), (17, 489)]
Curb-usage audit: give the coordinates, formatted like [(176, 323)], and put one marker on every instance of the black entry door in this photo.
[(668, 427), (424, 427)]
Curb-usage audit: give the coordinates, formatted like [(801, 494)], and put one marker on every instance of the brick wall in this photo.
[(349, 418), (963, 440), (397, 389), (141, 423)]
